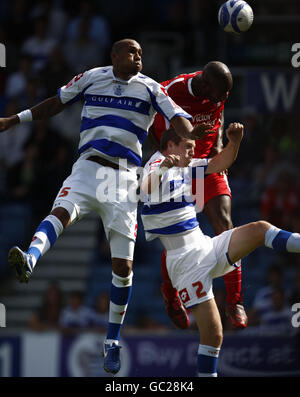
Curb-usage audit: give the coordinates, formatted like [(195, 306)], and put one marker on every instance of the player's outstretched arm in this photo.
[(227, 156), (48, 108)]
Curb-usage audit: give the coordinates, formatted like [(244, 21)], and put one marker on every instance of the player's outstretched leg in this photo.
[(174, 308), (45, 236), (247, 238)]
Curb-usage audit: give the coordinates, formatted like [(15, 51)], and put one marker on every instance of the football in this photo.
[(235, 16)]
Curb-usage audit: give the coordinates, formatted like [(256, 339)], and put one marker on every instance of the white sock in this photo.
[(282, 240), (45, 236), (207, 361)]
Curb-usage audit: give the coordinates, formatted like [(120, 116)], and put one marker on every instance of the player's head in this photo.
[(214, 83), (171, 143), (126, 56)]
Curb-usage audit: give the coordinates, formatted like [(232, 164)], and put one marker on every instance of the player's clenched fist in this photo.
[(171, 161), (235, 132), (201, 130)]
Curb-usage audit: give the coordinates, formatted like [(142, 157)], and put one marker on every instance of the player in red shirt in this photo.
[(203, 94)]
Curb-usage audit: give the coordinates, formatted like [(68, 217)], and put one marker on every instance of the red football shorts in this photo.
[(216, 185)]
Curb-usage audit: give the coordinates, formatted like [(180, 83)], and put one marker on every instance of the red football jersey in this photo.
[(202, 110)]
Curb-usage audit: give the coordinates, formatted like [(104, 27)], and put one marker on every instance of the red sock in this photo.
[(167, 286), (233, 284)]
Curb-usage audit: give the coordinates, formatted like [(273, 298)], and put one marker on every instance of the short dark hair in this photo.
[(169, 135)]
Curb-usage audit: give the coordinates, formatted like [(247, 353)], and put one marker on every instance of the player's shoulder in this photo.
[(101, 71), (93, 75), (156, 159), (148, 82), (183, 77), (180, 84), (145, 79)]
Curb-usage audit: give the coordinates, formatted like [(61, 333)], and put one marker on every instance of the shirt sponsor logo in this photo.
[(128, 103), (200, 118)]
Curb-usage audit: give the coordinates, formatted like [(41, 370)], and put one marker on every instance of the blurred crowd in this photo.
[(69, 314), (49, 42)]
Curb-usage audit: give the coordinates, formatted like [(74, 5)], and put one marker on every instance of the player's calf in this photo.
[(44, 237), (209, 323)]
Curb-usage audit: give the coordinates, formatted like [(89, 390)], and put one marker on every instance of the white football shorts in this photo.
[(192, 273), (110, 192)]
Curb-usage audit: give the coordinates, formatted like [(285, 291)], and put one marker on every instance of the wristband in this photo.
[(24, 116)]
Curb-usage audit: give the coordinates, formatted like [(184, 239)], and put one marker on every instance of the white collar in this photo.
[(121, 81), (189, 84)]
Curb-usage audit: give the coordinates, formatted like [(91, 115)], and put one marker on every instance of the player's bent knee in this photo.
[(263, 228), (264, 225), (213, 338), (63, 215), (218, 339), (66, 211), (121, 267), (259, 230), (122, 250), (217, 333)]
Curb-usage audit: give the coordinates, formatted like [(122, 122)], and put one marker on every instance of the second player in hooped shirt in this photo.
[(203, 94)]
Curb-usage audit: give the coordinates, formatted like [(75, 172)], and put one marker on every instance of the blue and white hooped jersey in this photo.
[(117, 114), (170, 209)]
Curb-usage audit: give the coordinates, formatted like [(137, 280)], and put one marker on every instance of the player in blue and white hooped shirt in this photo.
[(119, 106), (193, 259)]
